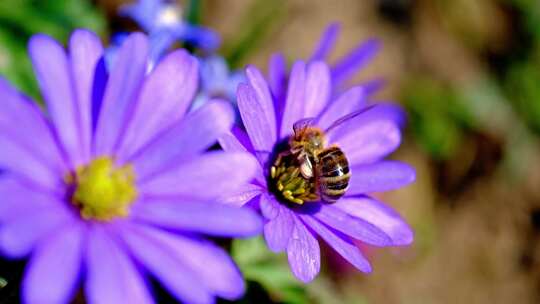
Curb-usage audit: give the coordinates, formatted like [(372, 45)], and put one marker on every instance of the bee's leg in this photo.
[(280, 156), (277, 163)]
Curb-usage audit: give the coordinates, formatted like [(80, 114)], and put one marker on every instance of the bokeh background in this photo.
[(468, 74)]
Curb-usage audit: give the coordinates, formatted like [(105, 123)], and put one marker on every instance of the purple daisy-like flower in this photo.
[(294, 213), (217, 81), (163, 21), (112, 182)]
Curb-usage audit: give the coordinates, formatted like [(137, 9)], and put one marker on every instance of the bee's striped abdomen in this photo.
[(332, 174)]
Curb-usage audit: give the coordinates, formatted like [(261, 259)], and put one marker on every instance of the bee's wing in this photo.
[(303, 124), (343, 119)]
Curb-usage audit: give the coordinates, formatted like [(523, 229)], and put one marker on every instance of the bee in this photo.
[(327, 165)]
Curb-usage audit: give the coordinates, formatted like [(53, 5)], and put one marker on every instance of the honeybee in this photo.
[(325, 169), (328, 165)]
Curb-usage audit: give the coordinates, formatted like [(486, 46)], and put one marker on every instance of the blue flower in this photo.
[(163, 21)]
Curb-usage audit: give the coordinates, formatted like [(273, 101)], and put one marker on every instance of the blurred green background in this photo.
[(468, 73)]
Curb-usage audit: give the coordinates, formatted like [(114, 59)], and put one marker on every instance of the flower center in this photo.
[(103, 191), (288, 183)]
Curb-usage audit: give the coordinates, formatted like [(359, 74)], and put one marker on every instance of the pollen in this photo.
[(289, 184), (102, 191)]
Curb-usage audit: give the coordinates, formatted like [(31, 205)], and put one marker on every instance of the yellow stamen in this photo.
[(103, 191)]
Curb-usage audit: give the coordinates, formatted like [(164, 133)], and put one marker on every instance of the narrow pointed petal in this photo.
[(121, 93), (294, 105), (16, 198), (303, 253), (241, 196), (357, 228), (224, 172), (340, 243), (327, 42), (184, 140), (264, 98), (165, 262), (238, 141), (278, 231), (111, 275), (369, 136), (277, 79), (318, 89), (85, 51), (355, 61), (380, 215), (380, 176), (209, 218), (56, 261), (261, 131), (270, 207), (350, 101), (165, 96), (54, 76), (210, 263), (30, 151), (19, 235)]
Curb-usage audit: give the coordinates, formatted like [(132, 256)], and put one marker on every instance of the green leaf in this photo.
[(20, 19), (256, 24), (269, 269)]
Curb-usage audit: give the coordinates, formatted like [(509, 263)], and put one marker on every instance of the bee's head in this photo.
[(308, 139)]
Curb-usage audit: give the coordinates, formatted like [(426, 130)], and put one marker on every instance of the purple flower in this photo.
[(365, 134), (112, 182), (341, 72), (163, 21), (217, 81)]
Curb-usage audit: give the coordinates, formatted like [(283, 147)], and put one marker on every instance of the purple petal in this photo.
[(54, 76), (278, 230), (20, 234), (111, 275), (379, 215), (17, 199), (30, 151), (369, 136), (277, 79), (270, 207), (264, 98), (20, 160), (211, 264), (165, 96), (327, 42), (294, 106), (355, 61), (209, 218), (121, 93), (208, 176), (303, 253), (261, 131), (165, 262), (339, 243), (203, 37), (238, 141), (241, 196), (51, 275), (357, 228), (350, 101), (85, 51), (184, 139), (380, 176), (318, 88)]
